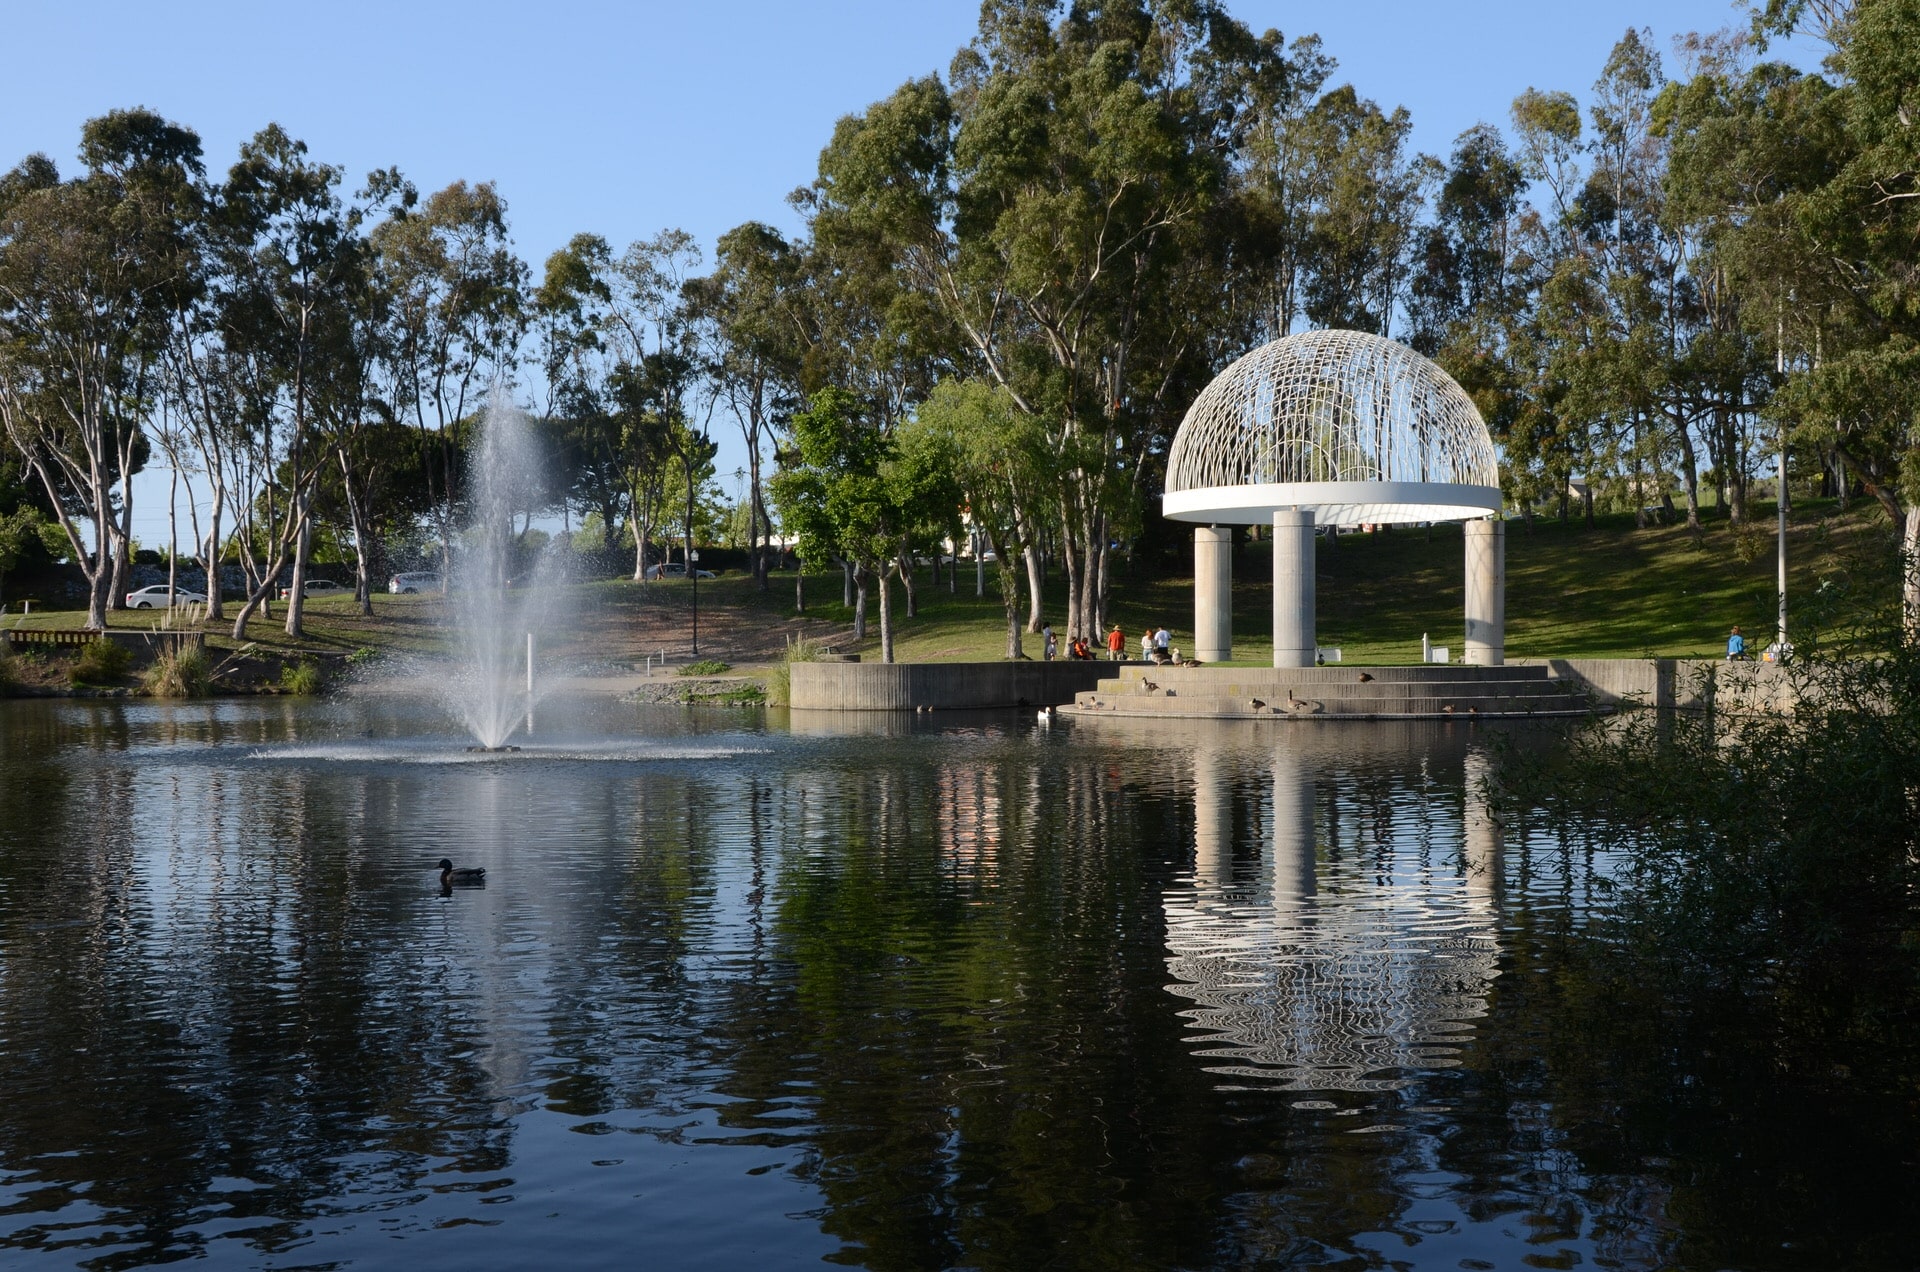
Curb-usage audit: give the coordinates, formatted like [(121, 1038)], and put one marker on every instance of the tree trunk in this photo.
[(173, 534), (297, 593), (211, 559), (1910, 573), (859, 574), (1690, 474), (1009, 593), (846, 582), (799, 587), (1036, 588), (886, 616), (905, 566)]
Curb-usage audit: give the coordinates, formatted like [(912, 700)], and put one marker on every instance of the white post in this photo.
[(1293, 625), (1486, 547), (1212, 593)]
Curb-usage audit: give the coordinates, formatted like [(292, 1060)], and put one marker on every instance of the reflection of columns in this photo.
[(1212, 816), (1486, 643), (1480, 833), (1293, 877), (1213, 593), (1293, 589)]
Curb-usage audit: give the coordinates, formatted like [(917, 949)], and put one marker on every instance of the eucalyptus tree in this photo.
[(1041, 209), (753, 327), (89, 268), (850, 491), (299, 264), (999, 463), (459, 310)]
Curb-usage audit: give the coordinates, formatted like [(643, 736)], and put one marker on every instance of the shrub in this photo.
[(101, 662), (705, 667), (365, 656), (302, 677), (780, 681), (9, 674), (185, 674)]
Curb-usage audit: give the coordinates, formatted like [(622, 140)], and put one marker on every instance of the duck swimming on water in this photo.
[(469, 876)]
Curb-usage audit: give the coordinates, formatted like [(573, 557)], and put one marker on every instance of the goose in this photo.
[(466, 876), (1046, 715), (1448, 708), (1256, 703), (1365, 678)]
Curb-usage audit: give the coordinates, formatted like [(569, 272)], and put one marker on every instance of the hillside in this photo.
[(1610, 591)]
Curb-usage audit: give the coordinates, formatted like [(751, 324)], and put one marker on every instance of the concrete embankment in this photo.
[(1522, 687), (1683, 684), (836, 686)]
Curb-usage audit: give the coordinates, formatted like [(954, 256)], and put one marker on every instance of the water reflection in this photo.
[(1338, 930), (917, 994)]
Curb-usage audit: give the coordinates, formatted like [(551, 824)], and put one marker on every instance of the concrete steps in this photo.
[(1350, 693)]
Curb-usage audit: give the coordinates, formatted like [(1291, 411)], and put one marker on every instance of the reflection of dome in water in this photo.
[(1362, 956), (1337, 995)]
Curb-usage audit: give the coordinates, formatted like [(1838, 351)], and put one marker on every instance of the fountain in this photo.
[(499, 617)]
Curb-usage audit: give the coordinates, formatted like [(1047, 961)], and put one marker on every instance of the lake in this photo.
[(947, 991)]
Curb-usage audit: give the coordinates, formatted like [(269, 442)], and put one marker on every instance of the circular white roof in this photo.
[(1356, 428)]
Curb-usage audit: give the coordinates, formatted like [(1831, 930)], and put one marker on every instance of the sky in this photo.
[(627, 118)]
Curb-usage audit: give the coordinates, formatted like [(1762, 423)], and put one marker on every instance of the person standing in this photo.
[(1116, 644), (1052, 644), (1161, 639), (1146, 645), (1736, 645)]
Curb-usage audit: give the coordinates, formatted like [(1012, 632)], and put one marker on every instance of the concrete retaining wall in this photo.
[(940, 686), (1683, 683)]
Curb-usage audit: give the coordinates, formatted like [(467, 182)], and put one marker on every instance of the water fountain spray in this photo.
[(497, 613)]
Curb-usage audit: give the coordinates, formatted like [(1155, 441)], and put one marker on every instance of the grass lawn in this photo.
[(1612, 591)]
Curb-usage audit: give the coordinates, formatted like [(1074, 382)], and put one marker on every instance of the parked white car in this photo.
[(315, 588), (155, 597), (418, 581), (675, 570)]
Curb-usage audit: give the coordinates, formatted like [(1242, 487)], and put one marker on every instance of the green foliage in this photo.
[(1773, 858), (9, 674), (364, 656), (186, 674), (101, 662), (302, 676), (705, 667)]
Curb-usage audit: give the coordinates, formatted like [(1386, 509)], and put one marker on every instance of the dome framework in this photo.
[(1333, 428), (1347, 425)]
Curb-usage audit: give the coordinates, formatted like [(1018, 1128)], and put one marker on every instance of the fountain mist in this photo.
[(495, 609)]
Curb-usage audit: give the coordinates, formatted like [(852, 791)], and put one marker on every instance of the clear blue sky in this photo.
[(627, 118)]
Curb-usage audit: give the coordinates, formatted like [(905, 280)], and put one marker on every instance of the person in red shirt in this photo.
[(1116, 644)]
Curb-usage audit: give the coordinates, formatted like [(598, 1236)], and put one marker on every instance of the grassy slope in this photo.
[(1612, 591)]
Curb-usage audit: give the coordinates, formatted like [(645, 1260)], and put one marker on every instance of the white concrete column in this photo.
[(1293, 639), (1213, 593), (1486, 643)]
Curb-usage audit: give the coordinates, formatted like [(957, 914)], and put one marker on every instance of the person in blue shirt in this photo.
[(1736, 645)]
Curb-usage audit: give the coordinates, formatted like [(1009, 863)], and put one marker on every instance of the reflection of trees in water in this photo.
[(1367, 945)]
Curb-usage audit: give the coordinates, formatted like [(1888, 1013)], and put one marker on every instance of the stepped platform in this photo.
[(1333, 693)]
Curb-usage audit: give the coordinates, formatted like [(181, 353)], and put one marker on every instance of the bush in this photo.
[(302, 677), (182, 675), (9, 674), (780, 682), (101, 662), (365, 656), (705, 667)]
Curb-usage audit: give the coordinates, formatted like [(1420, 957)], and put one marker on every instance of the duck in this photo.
[(468, 876)]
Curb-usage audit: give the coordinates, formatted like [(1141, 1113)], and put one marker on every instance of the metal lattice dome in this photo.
[(1355, 428)]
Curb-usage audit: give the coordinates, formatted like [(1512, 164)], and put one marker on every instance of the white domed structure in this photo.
[(1340, 429), (1354, 428)]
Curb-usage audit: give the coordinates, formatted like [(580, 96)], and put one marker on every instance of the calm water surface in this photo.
[(874, 993)]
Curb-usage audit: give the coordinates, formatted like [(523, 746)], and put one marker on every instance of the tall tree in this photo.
[(89, 269)]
